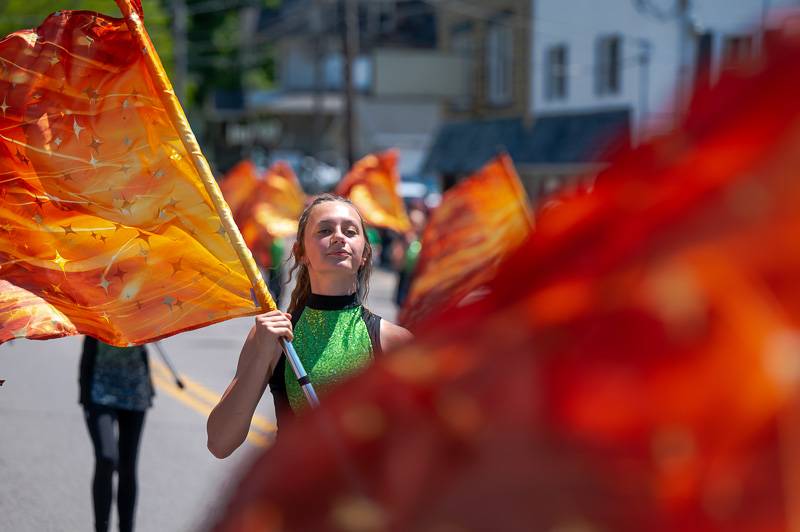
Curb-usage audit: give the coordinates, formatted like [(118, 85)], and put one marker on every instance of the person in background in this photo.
[(115, 391), (268, 254), (275, 270), (405, 253), (375, 240)]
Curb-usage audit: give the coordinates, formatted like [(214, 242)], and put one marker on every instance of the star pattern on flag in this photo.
[(100, 209), (60, 261)]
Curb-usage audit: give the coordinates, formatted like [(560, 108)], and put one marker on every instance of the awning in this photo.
[(562, 139)]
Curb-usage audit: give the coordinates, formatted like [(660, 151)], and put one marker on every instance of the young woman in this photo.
[(115, 391), (334, 334)]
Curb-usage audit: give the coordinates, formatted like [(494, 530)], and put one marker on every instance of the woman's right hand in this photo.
[(269, 328)]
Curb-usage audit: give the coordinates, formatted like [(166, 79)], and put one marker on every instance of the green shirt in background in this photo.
[(276, 253), (412, 255), (373, 236)]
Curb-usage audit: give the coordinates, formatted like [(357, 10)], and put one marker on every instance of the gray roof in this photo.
[(464, 147)]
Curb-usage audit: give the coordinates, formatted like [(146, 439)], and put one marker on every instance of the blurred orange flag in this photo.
[(238, 187), (478, 222), (635, 366), (372, 187), (266, 205), (279, 201), (105, 222)]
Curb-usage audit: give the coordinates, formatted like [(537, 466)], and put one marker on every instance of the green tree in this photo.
[(217, 59), (23, 14)]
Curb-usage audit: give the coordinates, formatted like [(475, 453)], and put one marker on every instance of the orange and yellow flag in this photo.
[(266, 205), (478, 222), (279, 201), (105, 221), (238, 186), (372, 187)]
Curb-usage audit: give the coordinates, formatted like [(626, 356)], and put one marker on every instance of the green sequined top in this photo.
[(335, 337)]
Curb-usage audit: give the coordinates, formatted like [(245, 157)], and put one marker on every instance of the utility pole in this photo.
[(645, 49), (319, 78), (248, 25), (762, 33), (180, 48), (684, 32), (350, 49)]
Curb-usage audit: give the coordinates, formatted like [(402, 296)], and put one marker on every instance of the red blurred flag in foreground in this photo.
[(266, 205), (634, 367), (105, 221), (372, 186), (478, 222)]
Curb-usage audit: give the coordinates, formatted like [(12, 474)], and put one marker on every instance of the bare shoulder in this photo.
[(393, 335)]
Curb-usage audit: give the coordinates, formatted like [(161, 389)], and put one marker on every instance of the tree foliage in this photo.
[(23, 14), (219, 57)]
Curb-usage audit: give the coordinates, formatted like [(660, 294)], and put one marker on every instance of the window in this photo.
[(463, 45), (500, 62), (705, 53), (556, 76), (608, 65), (737, 50), (334, 77)]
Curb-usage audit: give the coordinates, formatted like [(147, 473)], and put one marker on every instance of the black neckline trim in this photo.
[(320, 302)]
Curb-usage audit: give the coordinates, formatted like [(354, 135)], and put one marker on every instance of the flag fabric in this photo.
[(280, 201), (635, 365), (265, 205), (372, 187), (103, 215), (478, 222), (26, 315), (238, 187)]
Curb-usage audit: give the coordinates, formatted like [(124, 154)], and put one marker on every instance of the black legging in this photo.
[(111, 453)]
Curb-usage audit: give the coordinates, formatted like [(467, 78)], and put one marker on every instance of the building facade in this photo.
[(400, 75)]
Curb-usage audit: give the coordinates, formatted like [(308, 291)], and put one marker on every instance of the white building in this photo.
[(642, 55)]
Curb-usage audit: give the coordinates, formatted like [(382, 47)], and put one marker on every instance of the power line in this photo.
[(479, 11), (215, 6)]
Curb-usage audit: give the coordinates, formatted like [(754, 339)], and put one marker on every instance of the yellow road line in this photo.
[(162, 379), (209, 396)]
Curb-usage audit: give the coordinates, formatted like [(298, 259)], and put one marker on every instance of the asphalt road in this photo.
[(46, 458)]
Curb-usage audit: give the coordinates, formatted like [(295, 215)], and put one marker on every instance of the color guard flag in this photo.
[(478, 222), (105, 222), (238, 186), (266, 205), (372, 187)]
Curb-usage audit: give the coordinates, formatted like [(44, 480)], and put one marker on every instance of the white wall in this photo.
[(578, 23), (423, 73), (732, 17), (406, 124), (298, 72)]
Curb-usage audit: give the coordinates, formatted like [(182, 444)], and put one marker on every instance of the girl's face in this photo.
[(334, 241)]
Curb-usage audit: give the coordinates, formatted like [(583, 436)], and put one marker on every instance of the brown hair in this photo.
[(302, 287)]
